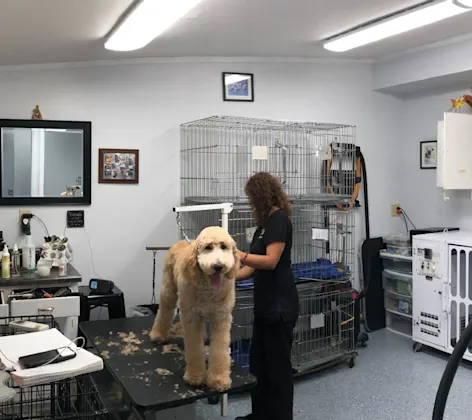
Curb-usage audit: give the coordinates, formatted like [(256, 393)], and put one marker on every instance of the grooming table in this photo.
[(151, 375)]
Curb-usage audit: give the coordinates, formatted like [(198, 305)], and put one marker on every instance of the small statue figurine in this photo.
[(36, 113)]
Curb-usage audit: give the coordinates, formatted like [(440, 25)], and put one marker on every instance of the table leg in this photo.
[(224, 405)]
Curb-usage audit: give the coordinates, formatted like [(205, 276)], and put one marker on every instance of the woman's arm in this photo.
[(245, 273), (264, 262)]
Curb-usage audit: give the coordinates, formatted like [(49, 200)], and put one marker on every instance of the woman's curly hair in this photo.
[(265, 192)]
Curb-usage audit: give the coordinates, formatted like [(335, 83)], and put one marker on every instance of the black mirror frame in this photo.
[(86, 199)]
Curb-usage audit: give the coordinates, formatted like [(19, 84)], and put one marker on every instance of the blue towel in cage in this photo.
[(322, 268), (245, 284)]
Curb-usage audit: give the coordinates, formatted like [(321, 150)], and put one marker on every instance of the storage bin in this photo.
[(397, 263), (405, 251), (399, 324), (398, 303), (397, 283), (397, 239), (398, 244)]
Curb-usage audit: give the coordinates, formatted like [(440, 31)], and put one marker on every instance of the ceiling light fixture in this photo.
[(397, 24), (463, 3), (147, 20)]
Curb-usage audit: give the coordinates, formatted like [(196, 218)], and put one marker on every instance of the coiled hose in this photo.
[(450, 372)]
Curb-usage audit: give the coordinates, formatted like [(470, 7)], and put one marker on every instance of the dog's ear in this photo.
[(237, 263), (191, 260)]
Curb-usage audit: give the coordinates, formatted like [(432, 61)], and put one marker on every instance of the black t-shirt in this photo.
[(275, 292)]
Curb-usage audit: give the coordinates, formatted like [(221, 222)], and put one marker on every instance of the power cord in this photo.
[(45, 227), (405, 215), (406, 224), (97, 275)]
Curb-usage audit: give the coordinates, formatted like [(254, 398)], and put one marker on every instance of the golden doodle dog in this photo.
[(201, 275)]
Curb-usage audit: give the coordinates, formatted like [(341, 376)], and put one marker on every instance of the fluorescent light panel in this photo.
[(395, 25), (148, 19), (463, 3)]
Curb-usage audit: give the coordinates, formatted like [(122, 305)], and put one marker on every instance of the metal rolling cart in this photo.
[(71, 399)]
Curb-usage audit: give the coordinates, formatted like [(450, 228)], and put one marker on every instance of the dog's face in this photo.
[(216, 255)]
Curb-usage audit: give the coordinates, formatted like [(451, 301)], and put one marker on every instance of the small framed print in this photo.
[(118, 166), (238, 87), (428, 154)]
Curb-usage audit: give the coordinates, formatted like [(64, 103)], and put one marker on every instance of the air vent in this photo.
[(428, 332)]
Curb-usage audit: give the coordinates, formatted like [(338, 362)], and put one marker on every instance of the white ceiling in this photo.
[(48, 31)]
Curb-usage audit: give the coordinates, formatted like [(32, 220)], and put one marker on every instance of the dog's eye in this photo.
[(208, 248), (223, 246)]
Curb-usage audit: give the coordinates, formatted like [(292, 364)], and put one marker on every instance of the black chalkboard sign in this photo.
[(75, 219)]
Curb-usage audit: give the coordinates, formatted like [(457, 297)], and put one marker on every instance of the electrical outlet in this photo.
[(22, 212), (393, 210)]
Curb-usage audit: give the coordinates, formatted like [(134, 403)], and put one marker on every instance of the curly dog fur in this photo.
[(201, 275)]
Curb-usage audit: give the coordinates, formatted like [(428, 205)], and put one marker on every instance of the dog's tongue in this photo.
[(215, 281)]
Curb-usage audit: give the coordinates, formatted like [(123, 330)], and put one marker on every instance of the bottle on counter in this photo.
[(5, 263), (29, 254), (63, 267), (15, 261)]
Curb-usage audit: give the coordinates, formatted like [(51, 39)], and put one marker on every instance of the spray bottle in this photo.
[(5, 263), (29, 254), (15, 260)]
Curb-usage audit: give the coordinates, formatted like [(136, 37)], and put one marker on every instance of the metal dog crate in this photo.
[(219, 153), (324, 334), (316, 164), (69, 399)]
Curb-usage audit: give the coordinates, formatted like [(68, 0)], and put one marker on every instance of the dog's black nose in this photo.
[(218, 267)]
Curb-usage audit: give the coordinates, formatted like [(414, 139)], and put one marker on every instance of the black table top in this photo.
[(151, 374)]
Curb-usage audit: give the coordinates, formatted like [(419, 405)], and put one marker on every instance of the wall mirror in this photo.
[(45, 162)]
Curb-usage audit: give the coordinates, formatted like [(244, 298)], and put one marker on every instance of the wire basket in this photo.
[(75, 398), (5, 329)]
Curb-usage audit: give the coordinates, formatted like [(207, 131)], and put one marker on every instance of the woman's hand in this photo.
[(242, 256)]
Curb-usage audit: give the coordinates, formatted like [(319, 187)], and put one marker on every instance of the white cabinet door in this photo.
[(456, 164)]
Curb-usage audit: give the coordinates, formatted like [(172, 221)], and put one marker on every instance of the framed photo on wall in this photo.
[(238, 87), (428, 154), (118, 166)]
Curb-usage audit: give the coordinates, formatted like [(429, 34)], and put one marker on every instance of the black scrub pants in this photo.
[(270, 362)]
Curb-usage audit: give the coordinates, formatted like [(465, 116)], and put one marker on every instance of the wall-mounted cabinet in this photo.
[(454, 151)]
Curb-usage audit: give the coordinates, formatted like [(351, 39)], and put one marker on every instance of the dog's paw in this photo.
[(157, 336), (194, 378), (220, 383)]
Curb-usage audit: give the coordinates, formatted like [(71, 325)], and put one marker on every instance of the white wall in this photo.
[(419, 196), (141, 105)]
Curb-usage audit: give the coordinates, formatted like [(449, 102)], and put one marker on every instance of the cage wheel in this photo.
[(417, 347), (214, 400)]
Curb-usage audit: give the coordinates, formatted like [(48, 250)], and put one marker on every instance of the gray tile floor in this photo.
[(389, 381)]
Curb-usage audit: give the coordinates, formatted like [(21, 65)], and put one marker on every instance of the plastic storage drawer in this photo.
[(396, 263), (398, 244), (399, 324), (398, 303), (397, 283)]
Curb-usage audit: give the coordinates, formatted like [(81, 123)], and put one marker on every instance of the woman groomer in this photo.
[(276, 305)]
